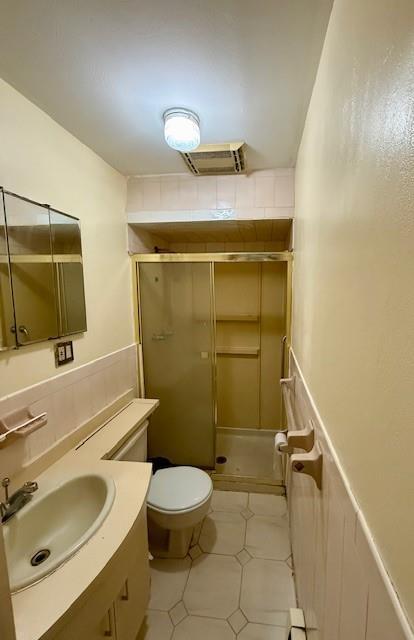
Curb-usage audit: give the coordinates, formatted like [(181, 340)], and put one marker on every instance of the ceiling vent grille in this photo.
[(216, 159)]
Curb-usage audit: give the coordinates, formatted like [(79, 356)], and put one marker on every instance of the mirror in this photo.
[(41, 273), (7, 326), (67, 257), (32, 274)]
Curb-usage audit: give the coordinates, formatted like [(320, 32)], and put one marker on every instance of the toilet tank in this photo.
[(135, 448)]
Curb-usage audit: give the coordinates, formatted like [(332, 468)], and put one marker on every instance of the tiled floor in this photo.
[(236, 582)]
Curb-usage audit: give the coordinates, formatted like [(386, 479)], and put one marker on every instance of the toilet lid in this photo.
[(179, 488)]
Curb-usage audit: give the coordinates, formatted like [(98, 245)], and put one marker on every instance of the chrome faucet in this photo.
[(17, 500)]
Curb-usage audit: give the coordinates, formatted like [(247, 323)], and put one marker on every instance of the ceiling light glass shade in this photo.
[(181, 129)]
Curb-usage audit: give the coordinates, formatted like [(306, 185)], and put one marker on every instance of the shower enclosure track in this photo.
[(247, 256)]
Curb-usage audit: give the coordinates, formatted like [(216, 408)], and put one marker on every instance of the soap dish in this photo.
[(20, 423)]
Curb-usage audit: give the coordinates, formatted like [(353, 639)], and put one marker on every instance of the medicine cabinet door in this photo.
[(32, 271)]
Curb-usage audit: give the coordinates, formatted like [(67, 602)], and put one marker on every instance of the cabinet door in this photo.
[(132, 601), (90, 625)]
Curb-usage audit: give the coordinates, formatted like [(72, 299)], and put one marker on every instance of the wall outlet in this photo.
[(63, 353)]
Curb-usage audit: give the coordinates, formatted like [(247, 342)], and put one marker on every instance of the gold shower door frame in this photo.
[(275, 256)]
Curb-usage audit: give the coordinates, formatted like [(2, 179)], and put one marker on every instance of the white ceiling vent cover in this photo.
[(216, 159)]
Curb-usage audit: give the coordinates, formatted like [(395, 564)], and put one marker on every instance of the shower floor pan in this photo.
[(245, 458)]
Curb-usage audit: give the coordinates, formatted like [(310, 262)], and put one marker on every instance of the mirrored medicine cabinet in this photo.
[(41, 273)]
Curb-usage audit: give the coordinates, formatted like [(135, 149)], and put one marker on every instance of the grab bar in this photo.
[(286, 384), (297, 437), (308, 463)]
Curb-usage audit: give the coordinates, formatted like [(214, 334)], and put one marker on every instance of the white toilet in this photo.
[(178, 499)]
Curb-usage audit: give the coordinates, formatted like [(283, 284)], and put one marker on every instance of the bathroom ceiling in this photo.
[(106, 70)]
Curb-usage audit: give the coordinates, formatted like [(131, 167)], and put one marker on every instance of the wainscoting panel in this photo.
[(70, 399), (341, 582)]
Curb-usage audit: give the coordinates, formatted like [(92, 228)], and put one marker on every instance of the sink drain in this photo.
[(39, 557)]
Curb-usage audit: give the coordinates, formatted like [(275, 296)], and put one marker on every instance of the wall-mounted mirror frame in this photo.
[(42, 293), (7, 318)]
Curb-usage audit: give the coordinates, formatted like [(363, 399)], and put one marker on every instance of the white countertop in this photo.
[(38, 607)]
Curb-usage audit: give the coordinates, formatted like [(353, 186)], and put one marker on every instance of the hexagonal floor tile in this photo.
[(156, 626), (223, 533), (203, 629), (267, 592), (168, 579), (267, 537), (229, 501), (213, 586), (267, 505)]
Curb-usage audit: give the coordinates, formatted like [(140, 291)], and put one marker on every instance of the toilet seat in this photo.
[(179, 489)]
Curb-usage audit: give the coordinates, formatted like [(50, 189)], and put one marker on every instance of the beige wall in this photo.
[(40, 160), (354, 270)]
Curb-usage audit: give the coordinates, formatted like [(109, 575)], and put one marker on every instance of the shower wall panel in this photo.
[(251, 321)]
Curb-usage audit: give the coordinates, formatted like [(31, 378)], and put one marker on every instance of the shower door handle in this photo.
[(162, 336), (24, 330)]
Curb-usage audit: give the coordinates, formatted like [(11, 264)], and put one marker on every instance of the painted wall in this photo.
[(354, 269), (41, 160)]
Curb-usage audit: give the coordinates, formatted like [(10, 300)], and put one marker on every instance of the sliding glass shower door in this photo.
[(177, 337)]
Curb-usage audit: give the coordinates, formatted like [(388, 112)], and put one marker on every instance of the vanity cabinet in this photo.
[(131, 603), (115, 608), (124, 617), (90, 628)]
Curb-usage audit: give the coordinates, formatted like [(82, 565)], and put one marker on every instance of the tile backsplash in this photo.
[(70, 400), (341, 582), (183, 197)]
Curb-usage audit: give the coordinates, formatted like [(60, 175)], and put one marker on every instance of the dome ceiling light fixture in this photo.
[(181, 129)]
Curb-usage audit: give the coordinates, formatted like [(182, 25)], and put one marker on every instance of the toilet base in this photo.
[(170, 534), (165, 543)]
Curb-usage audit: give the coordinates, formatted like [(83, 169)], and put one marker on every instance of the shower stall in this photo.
[(213, 332)]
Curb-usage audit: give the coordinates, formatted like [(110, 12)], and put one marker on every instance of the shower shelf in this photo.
[(241, 317), (238, 351)]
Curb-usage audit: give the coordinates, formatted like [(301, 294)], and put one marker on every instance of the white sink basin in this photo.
[(53, 526)]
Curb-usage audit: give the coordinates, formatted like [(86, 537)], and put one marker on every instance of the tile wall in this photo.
[(183, 197), (70, 399), (341, 582)]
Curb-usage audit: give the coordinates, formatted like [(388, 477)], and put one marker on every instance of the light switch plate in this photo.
[(63, 353)]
